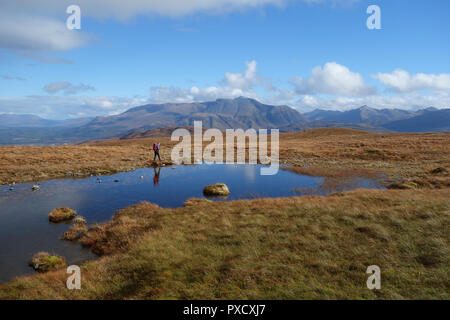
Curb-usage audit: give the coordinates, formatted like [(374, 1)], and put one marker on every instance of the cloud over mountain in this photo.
[(335, 79), (402, 81), (231, 86)]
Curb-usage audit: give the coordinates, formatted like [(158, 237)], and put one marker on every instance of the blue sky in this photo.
[(307, 54)]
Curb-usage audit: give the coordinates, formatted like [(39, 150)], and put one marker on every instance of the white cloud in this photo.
[(32, 34), (233, 85), (407, 101), (248, 83), (332, 87), (9, 77), (63, 107), (124, 10), (402, 81), (34, 28), (66, 87), (335, 79)]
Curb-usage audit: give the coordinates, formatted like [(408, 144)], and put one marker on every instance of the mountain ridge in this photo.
[(222, 114)]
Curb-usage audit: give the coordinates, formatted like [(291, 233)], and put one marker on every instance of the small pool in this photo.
[(25, 229)]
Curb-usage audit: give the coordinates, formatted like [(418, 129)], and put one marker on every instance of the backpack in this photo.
[(154, 147)]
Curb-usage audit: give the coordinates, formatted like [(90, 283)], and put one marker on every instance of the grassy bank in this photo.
[(287, 248), (32, 164)]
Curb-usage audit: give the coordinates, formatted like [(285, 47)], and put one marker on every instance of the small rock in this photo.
[(35, 187), (116, 180), (218, 189), (141, 177)]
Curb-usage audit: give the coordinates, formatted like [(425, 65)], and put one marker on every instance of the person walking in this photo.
[(156, 150)]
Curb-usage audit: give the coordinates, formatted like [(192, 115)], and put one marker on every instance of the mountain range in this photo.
[(222, 114), (32, 121)]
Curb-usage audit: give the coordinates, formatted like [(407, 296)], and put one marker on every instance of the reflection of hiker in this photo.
[(156, 177), (156, 150)]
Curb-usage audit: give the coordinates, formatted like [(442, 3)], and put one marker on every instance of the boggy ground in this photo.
[(287, 248), (310, 247)]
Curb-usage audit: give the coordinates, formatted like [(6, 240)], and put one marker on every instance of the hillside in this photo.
[(221, 114), (155, 133), (435, 121), (363, 114), (332, 124), (32, 121)]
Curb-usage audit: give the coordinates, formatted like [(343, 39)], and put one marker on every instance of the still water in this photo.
[(25, 229)]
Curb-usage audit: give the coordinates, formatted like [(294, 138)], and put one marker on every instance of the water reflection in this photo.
[(156, 176)]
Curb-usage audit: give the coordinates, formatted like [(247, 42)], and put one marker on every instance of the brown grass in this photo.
[(287, 248), (421, 158)]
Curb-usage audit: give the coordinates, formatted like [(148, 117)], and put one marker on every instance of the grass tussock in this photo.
[(287, 248), (44, 262), (61, 214)]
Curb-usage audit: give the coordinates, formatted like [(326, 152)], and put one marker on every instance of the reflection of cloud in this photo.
[(250, 173)]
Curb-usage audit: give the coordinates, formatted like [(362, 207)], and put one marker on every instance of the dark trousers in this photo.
[(156, 154)]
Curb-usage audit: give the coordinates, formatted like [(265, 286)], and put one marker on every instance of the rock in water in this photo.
[(61, 214), (35, 187), (44, 262), (216, 190)]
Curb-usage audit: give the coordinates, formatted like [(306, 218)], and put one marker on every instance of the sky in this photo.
[(306, 54)]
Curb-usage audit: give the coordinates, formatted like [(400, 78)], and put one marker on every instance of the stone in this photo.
[(218, 189)]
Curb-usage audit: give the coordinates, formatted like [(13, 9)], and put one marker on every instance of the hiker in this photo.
[(156, 150)]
